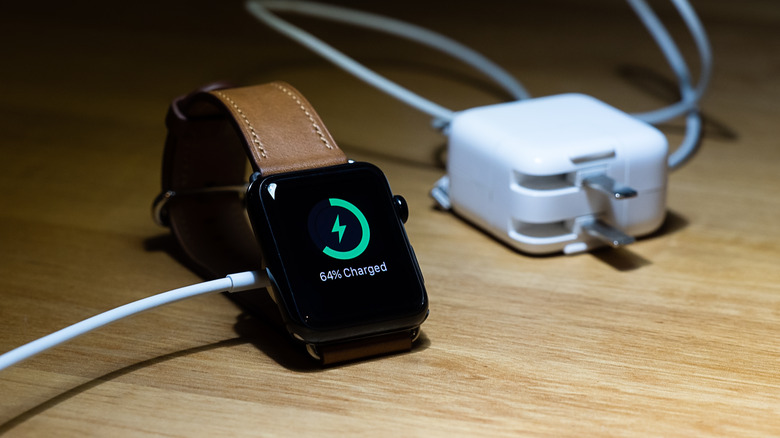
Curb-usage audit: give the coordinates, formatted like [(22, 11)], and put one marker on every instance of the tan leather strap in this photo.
[(211, 133)]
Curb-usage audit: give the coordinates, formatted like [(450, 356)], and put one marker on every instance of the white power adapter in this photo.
[(561, 173)]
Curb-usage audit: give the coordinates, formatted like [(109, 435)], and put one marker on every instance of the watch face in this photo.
[(337, 249)]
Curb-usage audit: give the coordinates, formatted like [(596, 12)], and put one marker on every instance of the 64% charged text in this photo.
[(330, 275)]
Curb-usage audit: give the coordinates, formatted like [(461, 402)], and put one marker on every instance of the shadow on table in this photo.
[(269, 340), (64, 396), (623, 259)]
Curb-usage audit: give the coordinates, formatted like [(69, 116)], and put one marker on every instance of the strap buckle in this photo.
[(159, 206)]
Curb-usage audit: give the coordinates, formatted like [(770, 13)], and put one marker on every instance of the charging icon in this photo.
[(339, 228)]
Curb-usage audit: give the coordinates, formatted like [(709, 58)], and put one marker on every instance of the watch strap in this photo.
[(211, 133), (280, 130), (365, 347)]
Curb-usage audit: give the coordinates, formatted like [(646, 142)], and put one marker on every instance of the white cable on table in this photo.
[(688, 105), (675, 59), (690, 96), (232, 283), (261, 10)]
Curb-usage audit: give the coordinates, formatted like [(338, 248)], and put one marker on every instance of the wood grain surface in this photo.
[(675, 335)]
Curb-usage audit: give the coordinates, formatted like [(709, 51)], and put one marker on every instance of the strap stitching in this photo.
[(255, 138), (308, 114)]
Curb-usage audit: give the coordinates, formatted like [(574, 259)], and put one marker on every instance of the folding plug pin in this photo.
[(607, 185), (606, 233)]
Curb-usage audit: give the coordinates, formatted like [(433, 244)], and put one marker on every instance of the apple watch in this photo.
[(328, 231)]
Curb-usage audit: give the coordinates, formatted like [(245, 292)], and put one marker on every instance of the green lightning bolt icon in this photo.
[(338, 228)]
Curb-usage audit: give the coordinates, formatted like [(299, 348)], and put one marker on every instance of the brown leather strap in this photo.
[(367, 347), (210, 135)]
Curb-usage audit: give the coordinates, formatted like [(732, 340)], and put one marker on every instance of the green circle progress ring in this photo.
[(356, 251)]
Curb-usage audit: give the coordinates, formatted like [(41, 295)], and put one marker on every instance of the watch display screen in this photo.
[(340, 253)]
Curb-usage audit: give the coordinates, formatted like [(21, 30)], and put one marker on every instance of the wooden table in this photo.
[(676, 334)]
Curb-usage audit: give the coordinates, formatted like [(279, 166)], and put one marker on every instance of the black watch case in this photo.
[(337, 253)]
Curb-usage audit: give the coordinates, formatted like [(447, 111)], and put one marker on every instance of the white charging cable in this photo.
[(687, 106), (262, 11), (238, 282), (690, 95)]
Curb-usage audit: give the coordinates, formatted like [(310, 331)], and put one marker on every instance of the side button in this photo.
[(401, 207)]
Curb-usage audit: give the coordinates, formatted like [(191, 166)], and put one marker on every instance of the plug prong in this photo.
[(607, 185), (607, 234)]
